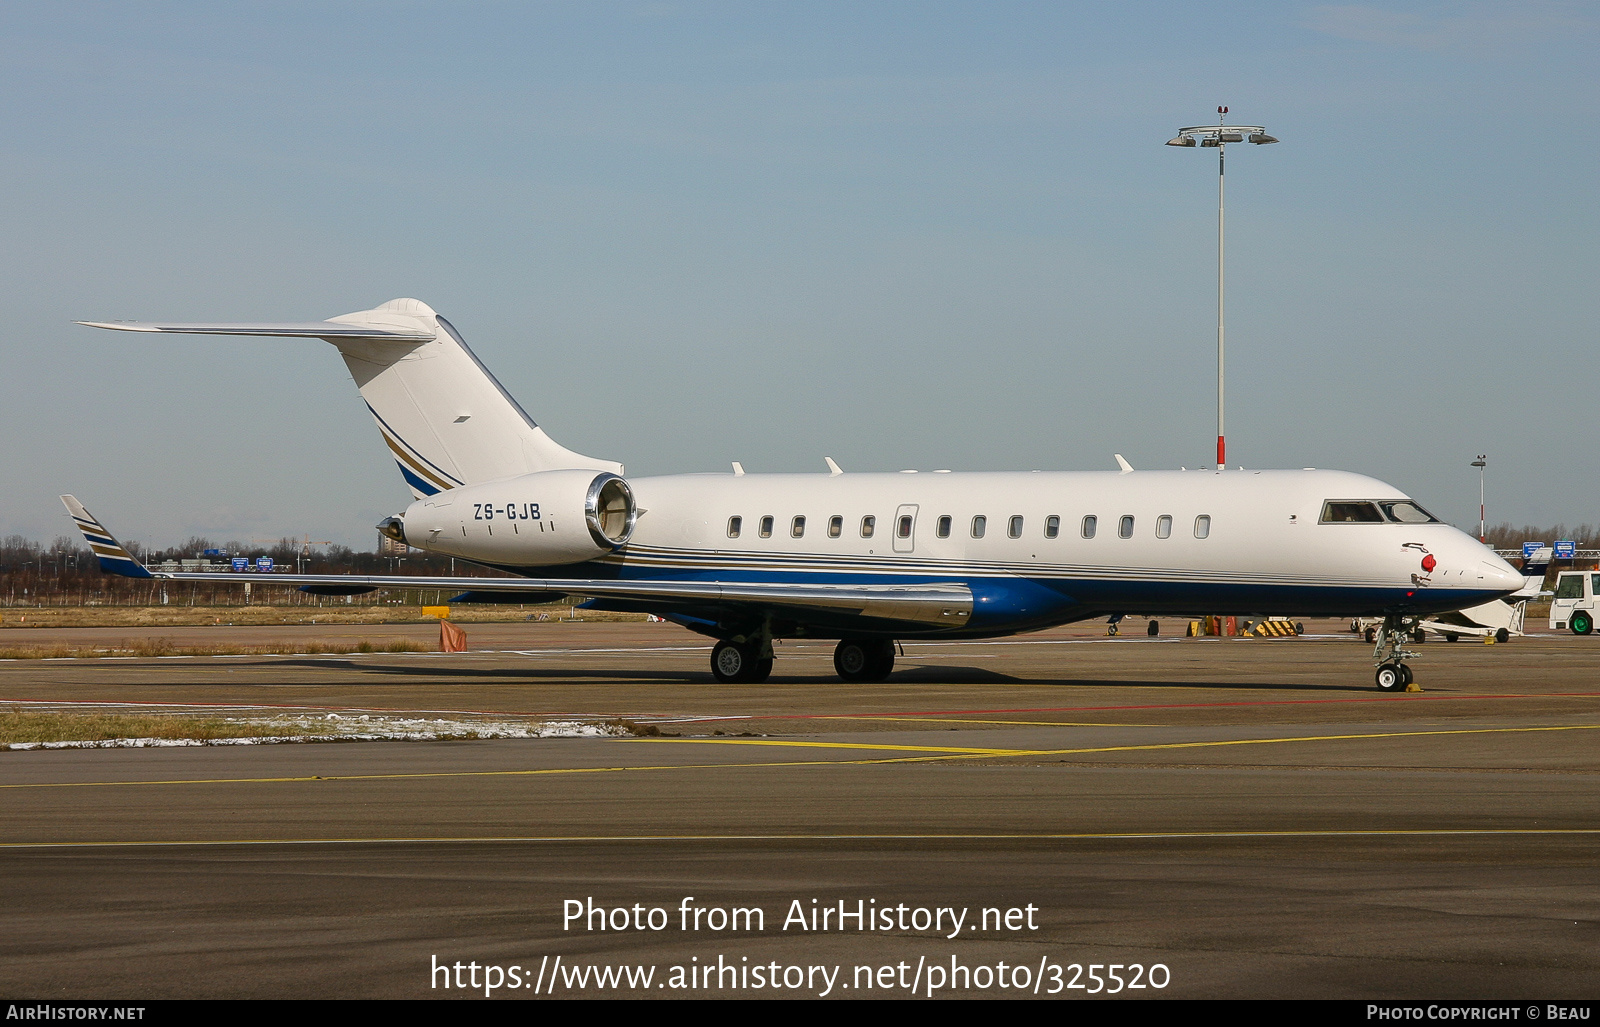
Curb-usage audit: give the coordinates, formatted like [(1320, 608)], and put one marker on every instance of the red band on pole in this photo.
[(1222, 452)]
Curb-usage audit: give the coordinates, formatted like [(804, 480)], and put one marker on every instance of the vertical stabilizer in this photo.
[(445, 418), (442, 414)]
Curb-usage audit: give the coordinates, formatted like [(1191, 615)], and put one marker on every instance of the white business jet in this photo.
[(862, 558)]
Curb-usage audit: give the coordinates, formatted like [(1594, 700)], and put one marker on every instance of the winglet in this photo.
[(1126, 467), (114, 559), (833, 469)]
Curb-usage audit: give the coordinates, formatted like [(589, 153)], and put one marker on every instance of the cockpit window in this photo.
[(1349, 511), (1408, 513)]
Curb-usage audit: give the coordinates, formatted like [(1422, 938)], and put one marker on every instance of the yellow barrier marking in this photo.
[(935, 754), (1465, 832)]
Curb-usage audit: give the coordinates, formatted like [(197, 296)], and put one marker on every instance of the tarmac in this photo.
[(1252, 816)]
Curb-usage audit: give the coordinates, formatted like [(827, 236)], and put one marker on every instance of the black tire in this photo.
[(1391, 677), (1153, 628), (1502, 636), (1299, 627), (1111, 630), (1452, 637), (1405, 670), (863, 659), (761, 671), (1419, 636), (734, 664), (1581, 623), (1371, 635)]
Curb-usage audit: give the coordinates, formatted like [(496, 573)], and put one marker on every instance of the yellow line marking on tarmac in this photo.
[(882, 747), (1466, 832), (934, 754)]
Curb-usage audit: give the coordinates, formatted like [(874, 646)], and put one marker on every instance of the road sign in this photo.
[(264, 564), (1566, 549), (241, 563), (1529, 548)]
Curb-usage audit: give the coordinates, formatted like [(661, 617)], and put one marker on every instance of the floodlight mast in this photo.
[(1480, 464), (1219, 136)]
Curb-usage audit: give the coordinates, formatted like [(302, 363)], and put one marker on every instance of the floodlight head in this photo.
[(1231, 137), (1181, 141), (1261, 137), (1210, 141)]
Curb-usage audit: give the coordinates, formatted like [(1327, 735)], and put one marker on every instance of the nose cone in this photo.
[(1499, 575)]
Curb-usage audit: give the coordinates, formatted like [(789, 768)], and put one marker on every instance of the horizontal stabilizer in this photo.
[(114, 559), (329, 330)]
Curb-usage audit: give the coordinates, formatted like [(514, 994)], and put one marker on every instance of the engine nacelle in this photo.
[(533, 520)]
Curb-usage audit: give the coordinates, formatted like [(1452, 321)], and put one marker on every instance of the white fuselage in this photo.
[(1198, 541)]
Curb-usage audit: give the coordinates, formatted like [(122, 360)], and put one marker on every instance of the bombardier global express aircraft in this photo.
[(862, 558)]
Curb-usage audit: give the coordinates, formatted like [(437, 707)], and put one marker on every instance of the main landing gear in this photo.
[(747, 660), (742, 663), (864, 659), (1391, 655)]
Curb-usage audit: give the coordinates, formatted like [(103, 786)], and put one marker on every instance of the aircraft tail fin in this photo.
[(443, 416), (1534, 567), (113, 557)]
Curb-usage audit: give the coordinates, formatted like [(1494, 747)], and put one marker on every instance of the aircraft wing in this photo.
[(937, 603)]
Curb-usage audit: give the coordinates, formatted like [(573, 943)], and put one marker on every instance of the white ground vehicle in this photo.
[(1576, 600)]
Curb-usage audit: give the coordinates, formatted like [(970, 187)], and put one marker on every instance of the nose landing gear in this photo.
[(1391, 655)]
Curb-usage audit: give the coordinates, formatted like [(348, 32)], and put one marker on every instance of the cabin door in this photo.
[(905, 528)]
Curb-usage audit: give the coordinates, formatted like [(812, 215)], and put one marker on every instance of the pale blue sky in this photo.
[(905, 235)]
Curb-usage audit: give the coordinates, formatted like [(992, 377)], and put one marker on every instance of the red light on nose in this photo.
[(1429, 563)]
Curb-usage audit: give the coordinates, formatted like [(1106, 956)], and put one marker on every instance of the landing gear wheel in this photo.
[(860, 659), (1502, 636), (1405, 671), (1392, 677), (1153, 628), (1581, 623), (734, 664)]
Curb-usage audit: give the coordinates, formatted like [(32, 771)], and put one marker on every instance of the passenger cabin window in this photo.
[(868, 524), (835, 526), (943, 530), (904, 530), (734, 524), (1345, 511), (1052, 526), (979, 524), (797, 527), (766, 526), (1164, 526), (1125, 526), (1014, 527), (1089, 524), (1202, 526)]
